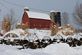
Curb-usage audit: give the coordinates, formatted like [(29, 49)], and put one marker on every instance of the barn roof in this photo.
[(38, 15)]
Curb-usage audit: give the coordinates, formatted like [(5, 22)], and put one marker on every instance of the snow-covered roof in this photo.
[(26, 7), (38, 15), (54, 11)]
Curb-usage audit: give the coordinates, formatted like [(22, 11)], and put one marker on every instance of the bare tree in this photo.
[(65, 18), (78, 13), (13, 19)]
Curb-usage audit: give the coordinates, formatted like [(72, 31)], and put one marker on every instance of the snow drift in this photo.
[(53, 49)]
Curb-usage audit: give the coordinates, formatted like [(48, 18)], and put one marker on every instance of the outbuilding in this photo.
[(36, 19)]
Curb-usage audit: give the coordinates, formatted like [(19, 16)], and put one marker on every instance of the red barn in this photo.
[(36, 20)]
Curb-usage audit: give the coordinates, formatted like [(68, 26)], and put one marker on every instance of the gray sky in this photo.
[(44, 5)]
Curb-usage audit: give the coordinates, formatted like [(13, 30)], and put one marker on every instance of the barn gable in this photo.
[(25, 18)]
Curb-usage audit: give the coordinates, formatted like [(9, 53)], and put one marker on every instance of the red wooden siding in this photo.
[(25, 18), (39, 23)]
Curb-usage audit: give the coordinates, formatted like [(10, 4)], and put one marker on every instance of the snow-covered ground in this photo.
[(53, 49), (39, 34)]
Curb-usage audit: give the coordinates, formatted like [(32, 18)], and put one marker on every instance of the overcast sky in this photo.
[(43, 5)]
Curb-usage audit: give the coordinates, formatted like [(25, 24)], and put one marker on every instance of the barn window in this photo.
[(34, 25), (40, 25), (46, 25)]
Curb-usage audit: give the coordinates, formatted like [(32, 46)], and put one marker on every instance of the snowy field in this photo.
[(53, 49)]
